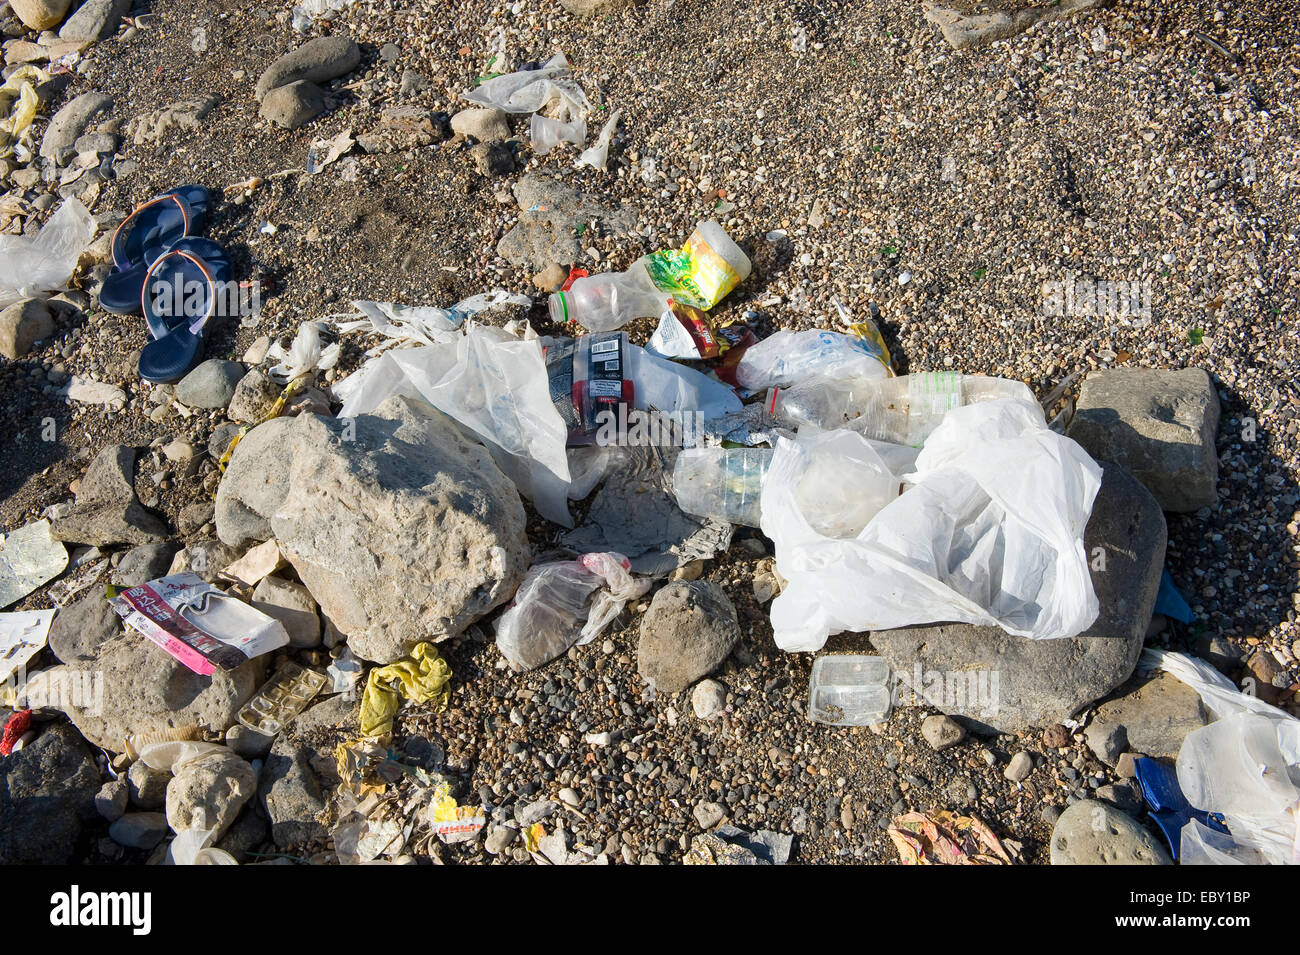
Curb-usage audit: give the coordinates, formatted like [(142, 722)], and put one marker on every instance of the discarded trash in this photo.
[(699, 274), (722, 484), (18, 96), (528, 91), (849, 690), (29, 556), (546, 133), (450, 821), (22, 636), (281, 698), (344, 671), (199, 625), (1171, 603), (325, 152), (16, 726), (194, 847), (31, 265), (597, 156), (305, 356), (703, 270), (813, 358), (1242, 766), (310, 10), (426, 324), (901, 410), (685, 332), (942, 838), (134, 744), (1170, 810), (424, 677), (553, 609), (990, 532)]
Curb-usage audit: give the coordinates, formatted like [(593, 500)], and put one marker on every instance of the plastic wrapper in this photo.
[(554, 610), (528, 91), (31, 265), (989, 532), (281, 698), (597, 156), (810, 358), (703, 270), (546, 133)]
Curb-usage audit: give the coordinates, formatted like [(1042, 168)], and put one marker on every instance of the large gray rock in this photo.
[(402, 529), (1092, 832), (95, 20), (106, 510), (301, 773), (1157, 425), (47, 791), (550, 214), (1009, 684), (70, 122), (963, 27), (1155, 714), (208, 792), (40, 14), (689, 629), (125, 685), (293, 105), (317, 61), (210, 385), (81, 627), (255, 484), (23, 324), (142, 564)]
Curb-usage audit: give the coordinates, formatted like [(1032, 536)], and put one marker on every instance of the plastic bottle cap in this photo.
[(564, 305)]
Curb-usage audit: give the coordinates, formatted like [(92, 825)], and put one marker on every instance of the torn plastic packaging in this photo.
[(546, 133)]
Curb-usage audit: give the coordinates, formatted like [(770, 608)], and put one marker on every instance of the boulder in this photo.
[(142, 564), (1159, 426), (300, 774), (255, 484), (40, 15), (400, 527), (1008, 684), (208, 792), (23, 324), (70, 122), (80, 628), (47, 791), (106, 510), (95, 20), (1092, 832), (689, 629), (316, 61), (1154, 714)]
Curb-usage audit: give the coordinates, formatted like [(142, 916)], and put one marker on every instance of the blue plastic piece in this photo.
[(1170, 602), (1170, 810)]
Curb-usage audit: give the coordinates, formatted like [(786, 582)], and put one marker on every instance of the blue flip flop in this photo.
[(146, 234), (170, 357), (162, 321)]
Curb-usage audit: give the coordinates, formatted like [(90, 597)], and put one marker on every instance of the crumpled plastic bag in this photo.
[(496, 386), (18, 95), (306, 355), (528, 91), (194, 847), (424, 677), (1245, 766), (553, 609), (990, 533), (787, 358), (425, 324), (597, 154), (30, 265)]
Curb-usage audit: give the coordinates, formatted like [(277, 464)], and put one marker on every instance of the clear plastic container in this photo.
[(902, 410), (605, 302), (281, 698), (722, 484), (849, 690)]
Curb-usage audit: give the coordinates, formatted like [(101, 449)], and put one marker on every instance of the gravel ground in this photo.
[(934, 190)]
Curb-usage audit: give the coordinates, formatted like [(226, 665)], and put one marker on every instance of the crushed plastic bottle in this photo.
[(849, 690), (607, 302), (722, 484), (901, 410)]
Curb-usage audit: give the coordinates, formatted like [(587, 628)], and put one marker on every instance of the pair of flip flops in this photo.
[(162, 269)]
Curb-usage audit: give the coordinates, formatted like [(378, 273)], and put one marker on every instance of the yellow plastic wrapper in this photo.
[(424, 677), (18, 96), (703, 270), (869, 333), (450, 821)]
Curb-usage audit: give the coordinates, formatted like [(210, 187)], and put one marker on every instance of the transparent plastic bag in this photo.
[(812, 358), (990, 532), (553, 609), (546, 133), (528, 91), (30, 265), (597, 156)]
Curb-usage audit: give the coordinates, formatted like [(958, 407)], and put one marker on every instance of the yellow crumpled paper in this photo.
[(18, 96), (423, 678)]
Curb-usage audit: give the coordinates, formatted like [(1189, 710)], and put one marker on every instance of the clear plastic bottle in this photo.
[(902, 410), (605, 302), (722, 484)]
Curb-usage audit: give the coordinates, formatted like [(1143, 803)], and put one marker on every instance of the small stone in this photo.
[(570, 797), (147, 787), (294, 105), (211, 385), (1019, 768), (23, 324), (493, 159), (1091, 832), (247, 743), (499, 839), (253, 398), (95, 20), (139, 830), (111, 799), (292, 604), (550, 278), (316, 61), (483, 125), (1106, 740), (709, 699), (708, 814), (40, 14), (1056, 736), (942, 732)]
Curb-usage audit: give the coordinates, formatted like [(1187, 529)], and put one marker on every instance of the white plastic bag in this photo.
[(553, 609), (788, 358), (597, 155), (496, 386), (990, 532), (30, 265), (528, 91), (1245, 766), (546, 133)]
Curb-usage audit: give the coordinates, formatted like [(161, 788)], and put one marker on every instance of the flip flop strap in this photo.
[(197, 324), (123, 230)]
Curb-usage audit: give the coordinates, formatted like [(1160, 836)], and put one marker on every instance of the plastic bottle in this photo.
[(902, 410), (722, 484), (605, 302)]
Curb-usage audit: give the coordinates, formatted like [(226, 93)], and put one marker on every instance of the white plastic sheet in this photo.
[(30, 265), (990, 533), (528, 91)]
